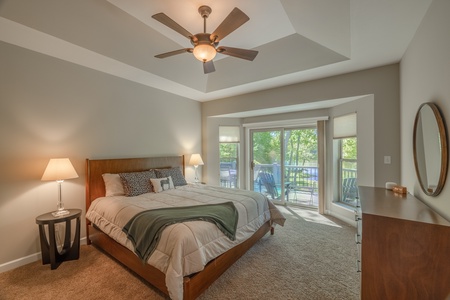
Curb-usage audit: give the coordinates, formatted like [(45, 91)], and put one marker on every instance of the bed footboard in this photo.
[(195, 284)]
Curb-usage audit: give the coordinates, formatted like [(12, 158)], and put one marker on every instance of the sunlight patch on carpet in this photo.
[(308, 215)]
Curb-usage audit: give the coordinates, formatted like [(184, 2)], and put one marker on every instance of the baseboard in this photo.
[(26, 260)]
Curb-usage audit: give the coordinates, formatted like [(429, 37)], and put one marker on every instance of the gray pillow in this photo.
[(176, 174), (137, 183)]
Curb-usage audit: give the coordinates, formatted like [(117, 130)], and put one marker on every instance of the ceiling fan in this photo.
[(205, 44)]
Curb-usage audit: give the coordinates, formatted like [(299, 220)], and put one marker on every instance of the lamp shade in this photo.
[(196, 160), (59, 169)]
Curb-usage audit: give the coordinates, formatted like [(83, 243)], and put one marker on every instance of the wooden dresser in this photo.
[(405, 247)]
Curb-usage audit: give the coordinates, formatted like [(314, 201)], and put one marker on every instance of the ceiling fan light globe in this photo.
[(204, 52)]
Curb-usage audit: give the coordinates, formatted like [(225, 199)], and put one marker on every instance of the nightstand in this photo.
[(50, 253)]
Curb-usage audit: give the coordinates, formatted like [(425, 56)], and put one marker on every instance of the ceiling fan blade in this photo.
[(166, 20), (171, 53), (232, 22), (208, 67), (238, 52)]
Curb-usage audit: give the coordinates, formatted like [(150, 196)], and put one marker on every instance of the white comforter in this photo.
[(185, 248)]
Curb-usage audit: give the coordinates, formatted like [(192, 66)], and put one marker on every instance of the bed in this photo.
[(174, 268)]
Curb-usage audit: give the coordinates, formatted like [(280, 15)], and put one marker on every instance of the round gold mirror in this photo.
[(430, 149)]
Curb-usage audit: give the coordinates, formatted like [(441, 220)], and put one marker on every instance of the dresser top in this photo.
[(382, 202)]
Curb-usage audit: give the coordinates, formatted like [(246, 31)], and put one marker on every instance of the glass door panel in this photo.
[(284, 165), (301, 165), (266, 159)]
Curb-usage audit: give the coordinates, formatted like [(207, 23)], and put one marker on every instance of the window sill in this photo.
[(344, 206)]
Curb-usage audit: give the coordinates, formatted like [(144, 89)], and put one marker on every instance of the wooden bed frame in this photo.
[(194, 284)]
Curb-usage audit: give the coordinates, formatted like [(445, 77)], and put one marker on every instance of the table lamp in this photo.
[(59, 169), (196, 160)]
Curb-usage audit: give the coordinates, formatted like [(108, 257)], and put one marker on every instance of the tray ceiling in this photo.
[(297, 40)]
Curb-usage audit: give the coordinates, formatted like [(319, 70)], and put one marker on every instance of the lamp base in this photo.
[(60, 213), (196, 180)]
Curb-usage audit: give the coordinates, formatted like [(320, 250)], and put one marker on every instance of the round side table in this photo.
[(50, 253)]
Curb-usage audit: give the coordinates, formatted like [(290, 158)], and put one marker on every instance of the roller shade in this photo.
[(344, 126), (229, 134)]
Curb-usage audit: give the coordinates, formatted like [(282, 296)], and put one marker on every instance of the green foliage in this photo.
[(228, 152), (300, 146), (349, 150), (266, 147)]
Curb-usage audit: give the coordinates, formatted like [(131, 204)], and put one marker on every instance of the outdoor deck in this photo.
[(301, 183), (301, 196)]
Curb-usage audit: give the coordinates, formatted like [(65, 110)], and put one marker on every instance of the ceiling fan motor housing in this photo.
[(202, 39)]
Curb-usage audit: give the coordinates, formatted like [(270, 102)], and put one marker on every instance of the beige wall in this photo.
[(52, 108), (425, 77), (378, 126)]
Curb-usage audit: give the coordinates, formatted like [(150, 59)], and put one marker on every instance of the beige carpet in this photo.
[(312, 257)]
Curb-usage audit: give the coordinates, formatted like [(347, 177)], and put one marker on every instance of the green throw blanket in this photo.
[(144, 229)]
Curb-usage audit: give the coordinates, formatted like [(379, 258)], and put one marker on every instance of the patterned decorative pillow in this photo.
[(113, 185), (176, 174), (162, 184), (137, 183)]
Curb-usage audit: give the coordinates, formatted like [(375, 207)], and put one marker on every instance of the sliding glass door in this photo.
[(284, 164)]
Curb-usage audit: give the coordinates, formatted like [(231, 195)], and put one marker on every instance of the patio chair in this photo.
[(273, 189), (349, 189), (225, 177)]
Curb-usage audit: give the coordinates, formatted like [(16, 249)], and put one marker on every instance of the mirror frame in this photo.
[(444, 151)]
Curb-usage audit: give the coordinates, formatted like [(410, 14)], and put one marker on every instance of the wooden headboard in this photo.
[(95, 187)]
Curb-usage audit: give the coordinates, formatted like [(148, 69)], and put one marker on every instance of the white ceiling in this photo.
[(297, 40)]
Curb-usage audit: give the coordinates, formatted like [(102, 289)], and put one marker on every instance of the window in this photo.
[(345, 134), (348, 171), (229, 137)]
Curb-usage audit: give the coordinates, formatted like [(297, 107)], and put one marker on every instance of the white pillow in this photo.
[(113, 185), (162, 184)]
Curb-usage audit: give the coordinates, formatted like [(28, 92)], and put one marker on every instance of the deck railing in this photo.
[(295, 176)]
